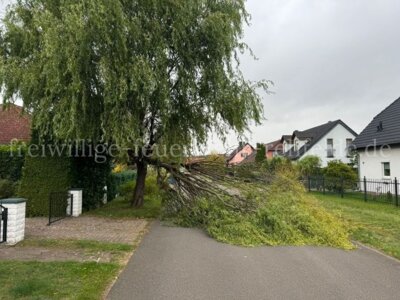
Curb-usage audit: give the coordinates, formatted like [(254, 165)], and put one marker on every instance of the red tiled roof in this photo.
[(14, 124)]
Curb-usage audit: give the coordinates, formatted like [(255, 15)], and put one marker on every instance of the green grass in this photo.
[(62, 280), (77, 244), (54, 280), (371, 223), (121, 208)]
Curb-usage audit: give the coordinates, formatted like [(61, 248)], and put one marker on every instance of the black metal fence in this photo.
[(3, 224), (60, 206), (384, 190)]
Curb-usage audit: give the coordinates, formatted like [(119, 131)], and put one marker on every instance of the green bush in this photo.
[(309, 166), (7, 188), (285, 215), (277, 163), (12, 159), (122, 177), (42, 176), (338, 175), (126, 190), (151, 188), (92, 177)]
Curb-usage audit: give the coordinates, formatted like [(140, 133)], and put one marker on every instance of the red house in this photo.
[(245, 152), (14, 124), (274, 149)]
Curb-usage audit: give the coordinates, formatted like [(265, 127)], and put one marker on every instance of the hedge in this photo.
[(92, 177), (42, 176), (11, 162)]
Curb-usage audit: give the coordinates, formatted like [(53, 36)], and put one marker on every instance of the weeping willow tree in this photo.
[(137, 73)]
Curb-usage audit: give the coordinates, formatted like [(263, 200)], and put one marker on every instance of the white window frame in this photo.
[(330, 153), (383, 170)]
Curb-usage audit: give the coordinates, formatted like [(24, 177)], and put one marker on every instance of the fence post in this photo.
[(365, 189), (323, 184), (309, 184), (342, 187), (396, 190)]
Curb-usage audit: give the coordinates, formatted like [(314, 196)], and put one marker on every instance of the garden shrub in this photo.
[(7, 188), (92, 177), (338, 175), (151, 188), (42, 176), (285, 215), (12, 159), (309, 166)]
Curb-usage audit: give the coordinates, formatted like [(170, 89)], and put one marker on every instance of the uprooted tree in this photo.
[(138, 73)]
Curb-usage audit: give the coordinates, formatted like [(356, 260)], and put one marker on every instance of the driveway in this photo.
[(183, 264)]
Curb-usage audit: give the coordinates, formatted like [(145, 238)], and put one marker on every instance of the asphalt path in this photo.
[(178, 263)]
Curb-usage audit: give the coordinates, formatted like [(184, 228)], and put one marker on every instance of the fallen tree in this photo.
[(258, 209)]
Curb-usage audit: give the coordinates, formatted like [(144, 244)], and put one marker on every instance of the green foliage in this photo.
[(286, 215), (92, 177), (123, 177), (7, 188), (277, 163), (261, 153), (123, 71), (339, 176), (309, 166), (126, 190), (339, 170), (121, 206), (11, 162), (42, 176)]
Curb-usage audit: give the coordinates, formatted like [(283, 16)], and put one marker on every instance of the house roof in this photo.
[(274, 146), (313, 135), (249, 159), (14, 124), (384, 129), (237, 150), (287, 138)]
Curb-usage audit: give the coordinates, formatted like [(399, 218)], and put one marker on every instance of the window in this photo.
[(349, 147), (386, 169), (244, 154), (330, 148)]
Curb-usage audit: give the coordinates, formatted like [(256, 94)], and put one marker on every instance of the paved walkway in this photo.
[(176, 263), (87, 228)]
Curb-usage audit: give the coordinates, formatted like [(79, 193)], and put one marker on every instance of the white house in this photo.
[(329, 141), (378, 145)]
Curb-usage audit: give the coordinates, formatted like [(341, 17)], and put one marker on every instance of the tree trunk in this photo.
[(138, 194)]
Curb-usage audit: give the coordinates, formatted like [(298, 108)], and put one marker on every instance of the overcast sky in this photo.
[(328, 59)]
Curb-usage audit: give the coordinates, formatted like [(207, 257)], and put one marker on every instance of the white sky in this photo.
[(328, 59)]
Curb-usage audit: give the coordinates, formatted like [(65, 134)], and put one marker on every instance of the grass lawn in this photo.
[(371, 223), (121, 208), (55, 280), (62, 280)]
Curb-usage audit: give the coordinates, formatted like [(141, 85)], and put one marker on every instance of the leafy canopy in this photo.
[(133, 72), (309, 165)]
